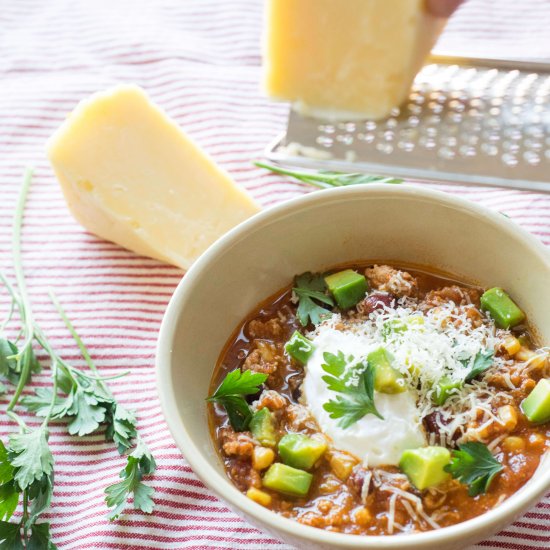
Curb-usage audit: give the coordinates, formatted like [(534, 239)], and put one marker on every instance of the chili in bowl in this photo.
[(365, 366)]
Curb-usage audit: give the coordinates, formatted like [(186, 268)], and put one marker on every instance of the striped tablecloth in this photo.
[(199, 59)]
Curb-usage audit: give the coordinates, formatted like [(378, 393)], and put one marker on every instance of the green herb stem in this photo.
[(25, 307), (325, 178)]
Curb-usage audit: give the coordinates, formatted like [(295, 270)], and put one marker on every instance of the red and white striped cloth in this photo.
[(200, 60)]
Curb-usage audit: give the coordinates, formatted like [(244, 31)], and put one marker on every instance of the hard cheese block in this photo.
[(132, 176), (346, 60)]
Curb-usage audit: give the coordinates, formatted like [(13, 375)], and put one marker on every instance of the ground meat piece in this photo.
[(299, 419), (244, 476), (266, 357), (256, 363), (461, 296), (265, 329), (271, 400), (239, 445), (388, 279)]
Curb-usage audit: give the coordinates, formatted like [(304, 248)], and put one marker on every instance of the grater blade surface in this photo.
[(474, 122)]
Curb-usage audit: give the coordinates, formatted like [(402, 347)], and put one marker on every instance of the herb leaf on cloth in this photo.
[(474, 465), (325, 179), (140, 463)]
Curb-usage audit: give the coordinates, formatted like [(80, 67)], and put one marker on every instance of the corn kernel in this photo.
[(330, 485), (362, 517), (508, 416), (261, 497), (262, 457), (513, 443), (524, 354), (512, 345), (342, 464)]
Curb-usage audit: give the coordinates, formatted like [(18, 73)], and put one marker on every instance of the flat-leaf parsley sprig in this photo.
[(325, 179), (82, 399), (230, 394), (354, 399), (482, 361), (474, 465), (310, 289)]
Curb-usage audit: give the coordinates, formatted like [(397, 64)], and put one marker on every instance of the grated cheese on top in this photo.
[(429, 345)]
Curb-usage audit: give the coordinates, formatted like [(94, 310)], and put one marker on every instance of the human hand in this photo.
[(443, 8)]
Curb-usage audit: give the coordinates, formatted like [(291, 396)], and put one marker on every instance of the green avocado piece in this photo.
[(502, 308), (301, 451), (287, 480), (536, 406), (299, 347), (424, 466), (262, 426), (444, 388), (348, 287), (387, 379)]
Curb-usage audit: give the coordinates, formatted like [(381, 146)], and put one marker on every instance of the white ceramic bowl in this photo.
[(398, 223)]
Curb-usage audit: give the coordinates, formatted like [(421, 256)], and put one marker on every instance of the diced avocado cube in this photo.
[(262, 426), (400, 326), (536, 406), (387, 379), (444, 388), (501, 307), (348, 287), (301, 451), (299, 347), (287, 480), (424, 466)]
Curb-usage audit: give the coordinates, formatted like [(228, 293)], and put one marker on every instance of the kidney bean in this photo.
[(377, 300)]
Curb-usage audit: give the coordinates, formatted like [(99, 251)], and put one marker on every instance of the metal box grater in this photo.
[(474, 121)]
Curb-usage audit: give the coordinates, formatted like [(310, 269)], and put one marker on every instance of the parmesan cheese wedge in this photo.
[(132, 176), (346, 60)]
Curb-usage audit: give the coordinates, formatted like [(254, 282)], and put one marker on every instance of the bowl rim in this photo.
[(222, 486)]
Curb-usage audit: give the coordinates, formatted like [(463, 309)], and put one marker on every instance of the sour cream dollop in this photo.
[(374, 441)]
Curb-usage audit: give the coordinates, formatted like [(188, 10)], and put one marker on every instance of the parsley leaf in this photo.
[(140, 463), (41, 492), (10, 367), (482, 361), (325, 179), (6, 469), (121, 426), (40, 537), (8, 364), (474, 465), (10, 536), (309, 287), (30, 455), (353, 401), (9, 499), (230, 395), (239, 383)]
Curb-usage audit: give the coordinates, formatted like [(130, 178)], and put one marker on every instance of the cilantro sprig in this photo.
[(310, 289), (325, 179), (230, 394), (80, 398), (474, 465), (353, 401)]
